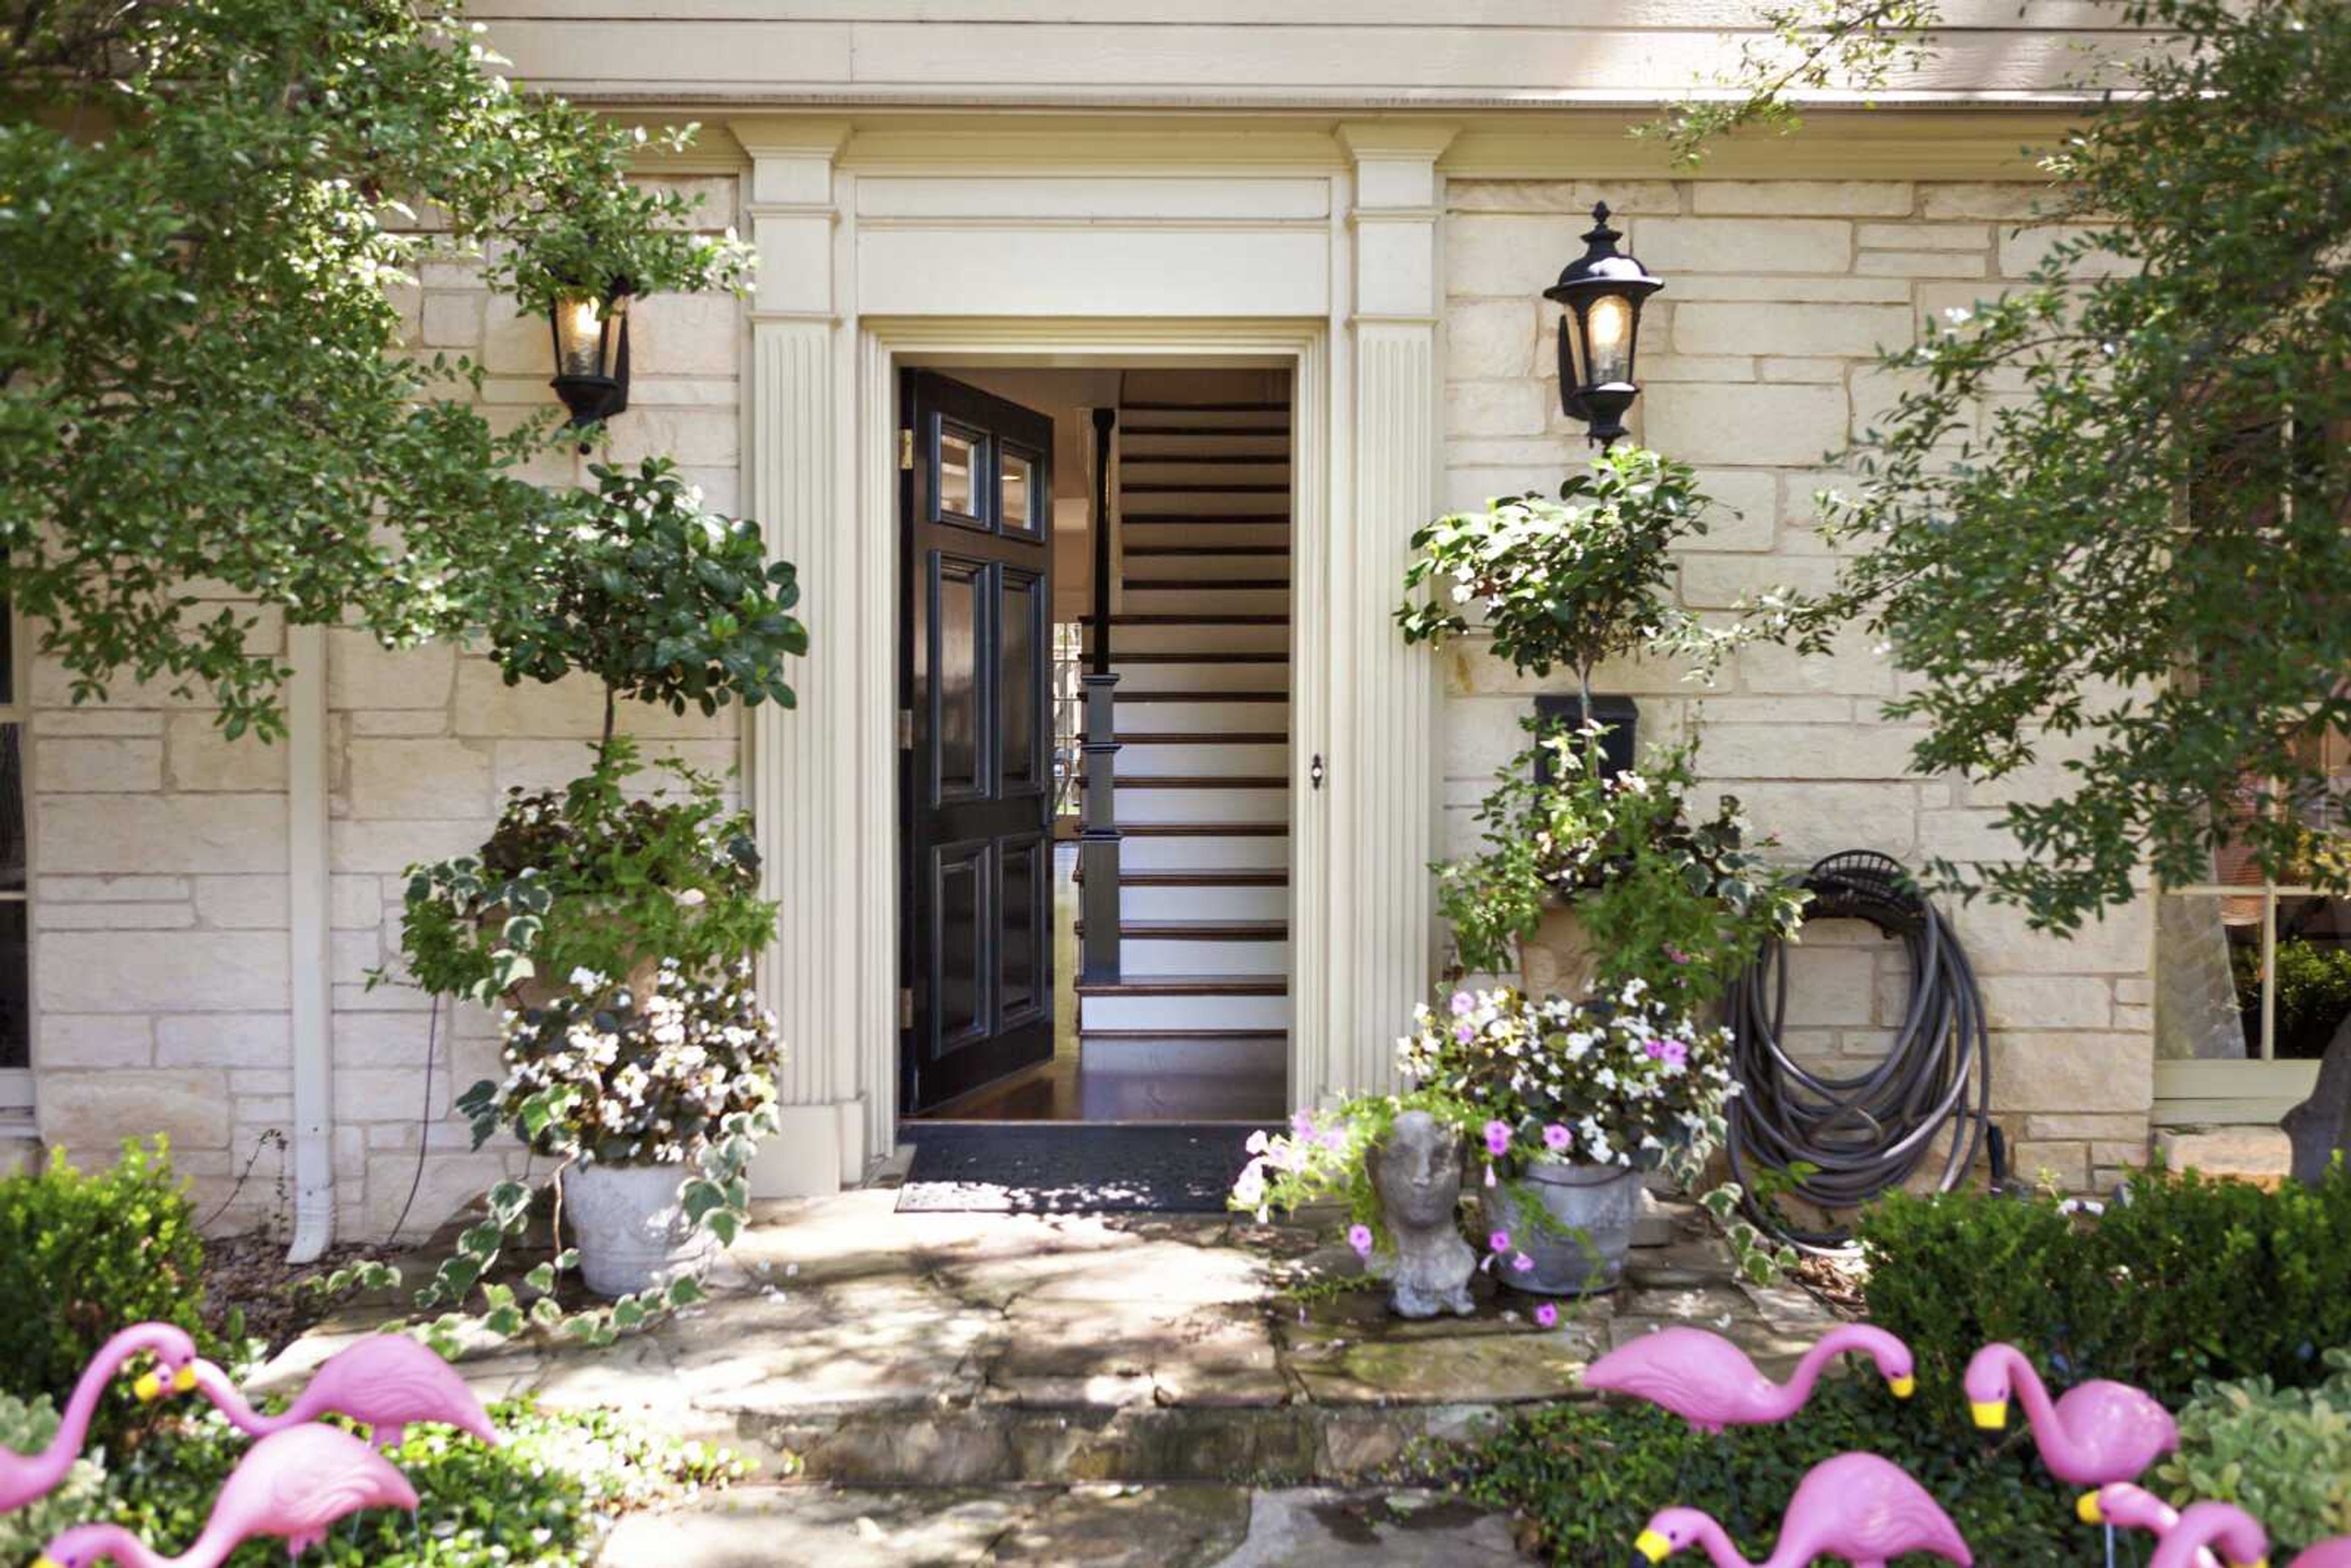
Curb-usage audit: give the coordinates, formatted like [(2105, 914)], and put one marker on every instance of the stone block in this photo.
[(2260, 1155), (1624, 197), (1803, 198), (2091, 1124), (361, 672), (449, 1183), (1924, 236), (95, 1040), (1752, 425), (1919, 264), (389, 848), (97, 765), (453, 320), (1664, 368), (1495, 408), (89, 1114), (418, 780), (2021, 250), (1790, 289), (685, 334), (115, 917), (256, 902), (1720, 581), (1976, 198), (1742, 247), (202, 758), (102, 972), (2046, 1002), (2061, 1164), (1830, 987), (1514, 255), (1813, 820), (1853, 666), (1779, 750), (1857, 331), (707, 436), (96, 720), (223, 1039), (1493, 338), (1999, 941), (110, 889), (2075, 1071), (163, 833), (518, 345)]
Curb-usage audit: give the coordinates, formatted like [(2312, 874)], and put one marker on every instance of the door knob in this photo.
[(1315, 771)]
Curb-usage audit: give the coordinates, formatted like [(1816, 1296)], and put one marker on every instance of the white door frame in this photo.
[(1333, 271)]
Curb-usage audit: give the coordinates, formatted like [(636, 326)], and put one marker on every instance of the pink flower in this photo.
[(1655, 1049), (1676, 954), (1464, 1033), (1547, 1316), (1556, 1138), (1462, 1004), (1302, 1124), (1675, 1053), (1498, 1138), (1334, 1139), (1359, 1237), (1499, 1242), (1522, 1263)]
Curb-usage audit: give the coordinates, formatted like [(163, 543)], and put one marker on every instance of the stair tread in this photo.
[(1206, 829), (1160, 407), (1130, 488), (1201, 696), (1269, 656), (1204, 584), (1210, 430), (1196, 781), (1255, 877), (1202, 930), (1218, 519), (1168, 551), (1178, 737), (1185, 1036), (1241, 620), (1187, 985)]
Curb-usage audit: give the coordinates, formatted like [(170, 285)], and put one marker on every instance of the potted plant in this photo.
[(616, 920), (1679, 904), (1559, 1107), (1566, 584)]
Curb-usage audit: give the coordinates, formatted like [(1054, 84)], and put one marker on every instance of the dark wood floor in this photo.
[(1175, 1080)]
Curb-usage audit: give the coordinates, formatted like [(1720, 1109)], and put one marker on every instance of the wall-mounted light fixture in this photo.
[(1600, 330), (591, 351)]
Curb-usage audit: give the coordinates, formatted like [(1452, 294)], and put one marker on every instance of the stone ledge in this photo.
[(2263, 1155)]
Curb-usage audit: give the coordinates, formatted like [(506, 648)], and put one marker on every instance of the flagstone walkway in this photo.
[(966, 1388)]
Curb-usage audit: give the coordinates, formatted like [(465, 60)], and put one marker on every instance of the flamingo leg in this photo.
[(2110, 1546)]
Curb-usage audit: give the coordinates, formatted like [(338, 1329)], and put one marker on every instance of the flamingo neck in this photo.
[(2048, 1432), (1723, 1554), (1809, 1367), (81, 1406), (127, 1549), (230, 1401)]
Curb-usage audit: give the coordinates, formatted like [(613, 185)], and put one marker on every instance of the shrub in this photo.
[(2285, 1456), (84, 1255), (543, 1497), (1587, 1476), (27, 1428), (2183, 1279)]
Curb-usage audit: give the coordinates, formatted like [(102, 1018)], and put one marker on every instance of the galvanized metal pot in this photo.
[(1579, 1236)]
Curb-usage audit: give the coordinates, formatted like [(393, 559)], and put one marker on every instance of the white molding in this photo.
[(312, 1017)]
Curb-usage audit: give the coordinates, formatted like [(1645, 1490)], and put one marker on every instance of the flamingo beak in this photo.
[(1654, 1546), (1902, 1388), (147, 1389), (46, 1563), (1991, 1414), (2088, 1510), (184, 1380)]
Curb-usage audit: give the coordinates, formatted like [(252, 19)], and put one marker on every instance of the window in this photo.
[(16, 991)]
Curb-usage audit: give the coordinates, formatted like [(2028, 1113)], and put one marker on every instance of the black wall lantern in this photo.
[(591, 351), (1603, 290)]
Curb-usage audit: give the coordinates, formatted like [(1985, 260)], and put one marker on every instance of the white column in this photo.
[(312, 1018), (803, 782), (1383, 764)]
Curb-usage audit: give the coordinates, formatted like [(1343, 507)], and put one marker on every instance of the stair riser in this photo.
[(1204, 719), (1199, 637), (1271, 419), (1203, 903), (1135, 447), (1268, 1057), (1140, 569), (1181, 531), (1203, 759), (1137, 504), (1189, 851), (1140, 597), (1141, 957), (1135, 469), (1254, 678), (1204, 805), (1174, 1014)]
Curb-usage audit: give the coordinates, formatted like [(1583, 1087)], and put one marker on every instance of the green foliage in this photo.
[(1589, 1476), (591, 880), (2107, 512), (204, 206), (663, 601), (1563, 583), (541, 1498), (26, 1427), (1682, 906), (85, 1255), (2284, 1456), (2190, 1279), (2314, 991)]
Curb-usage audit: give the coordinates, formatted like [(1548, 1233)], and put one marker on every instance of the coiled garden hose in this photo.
[(1863, 1134)]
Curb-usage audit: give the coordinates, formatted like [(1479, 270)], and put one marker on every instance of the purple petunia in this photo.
[(1547, 1316), (1464, 1033), (1675, 1053), (1556, 1137), (1499, 1242), (1498, 1138), (1522, 1263), (1462, 1004), (1359, 1237)]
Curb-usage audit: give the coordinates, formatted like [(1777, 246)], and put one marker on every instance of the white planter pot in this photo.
[(631, 1228)]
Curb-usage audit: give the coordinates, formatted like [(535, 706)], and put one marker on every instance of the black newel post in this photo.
[(1098, 835)]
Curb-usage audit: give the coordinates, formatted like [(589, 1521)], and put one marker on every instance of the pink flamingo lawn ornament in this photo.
[(25, 1478), (2119, 1505), (2096, 1432), (2242, 1542), (293, 1484), (383, 1381), (1857, 1506), (2335, 1553), (1710, 1383)]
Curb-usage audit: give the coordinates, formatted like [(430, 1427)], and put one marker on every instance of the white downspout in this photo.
[(312, 1015)]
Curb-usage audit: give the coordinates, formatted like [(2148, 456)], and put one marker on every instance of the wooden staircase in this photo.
[(1201, 646)]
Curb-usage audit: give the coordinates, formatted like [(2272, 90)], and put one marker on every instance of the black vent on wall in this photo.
[(1618, 717)]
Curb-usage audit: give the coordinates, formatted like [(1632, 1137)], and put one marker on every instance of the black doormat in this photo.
[(1016, 1168)]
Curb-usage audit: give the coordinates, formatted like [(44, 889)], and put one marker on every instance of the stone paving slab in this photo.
[(1113, 1526), (941, 1350)]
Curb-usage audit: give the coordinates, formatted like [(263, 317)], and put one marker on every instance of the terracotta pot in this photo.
[(1559, 960)]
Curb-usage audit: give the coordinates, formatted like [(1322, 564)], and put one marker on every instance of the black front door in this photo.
[(975, 787)]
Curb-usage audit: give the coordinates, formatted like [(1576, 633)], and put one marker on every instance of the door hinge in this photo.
[(906, 450), (905, 729), (905, 1006)]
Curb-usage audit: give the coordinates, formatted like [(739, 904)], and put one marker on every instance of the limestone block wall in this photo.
[(162, 979), (1757, 361)]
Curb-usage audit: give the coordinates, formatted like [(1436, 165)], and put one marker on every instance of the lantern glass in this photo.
[(1608, 341), (587, 336)]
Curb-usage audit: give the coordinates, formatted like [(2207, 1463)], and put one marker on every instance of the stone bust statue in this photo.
[(1416, 1170)]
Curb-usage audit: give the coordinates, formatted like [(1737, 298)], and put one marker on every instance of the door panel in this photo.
[(975, 784)]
